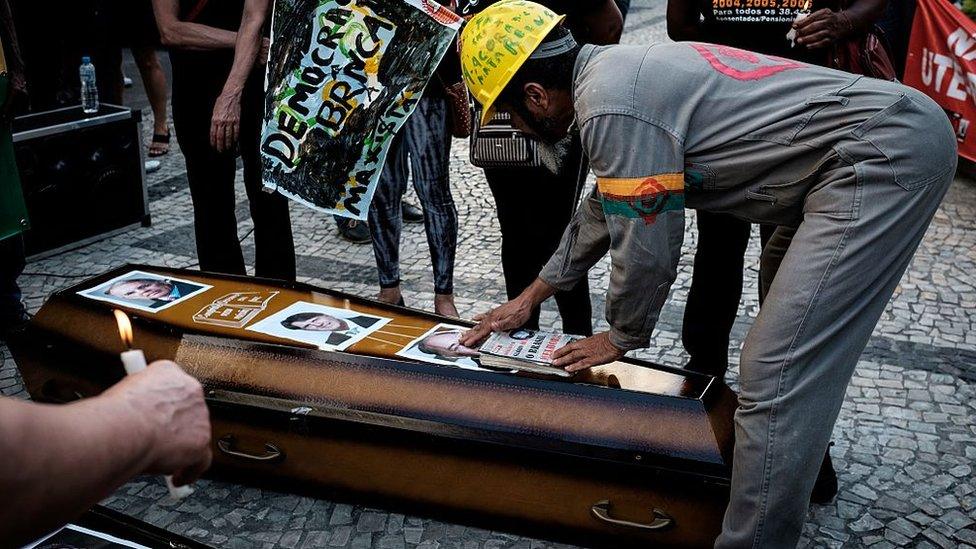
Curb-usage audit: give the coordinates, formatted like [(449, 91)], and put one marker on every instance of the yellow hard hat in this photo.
[(495, 43)]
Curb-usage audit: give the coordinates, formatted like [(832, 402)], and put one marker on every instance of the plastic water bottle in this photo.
[(89, 92)]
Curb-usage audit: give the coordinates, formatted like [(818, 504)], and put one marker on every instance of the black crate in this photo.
[(82, 175)]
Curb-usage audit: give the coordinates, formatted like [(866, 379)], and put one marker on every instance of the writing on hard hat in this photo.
[(496, 42)]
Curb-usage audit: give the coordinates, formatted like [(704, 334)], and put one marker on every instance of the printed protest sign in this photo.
[(343, 76), (942, 63)]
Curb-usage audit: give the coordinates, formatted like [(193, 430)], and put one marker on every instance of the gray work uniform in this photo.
[(857, 165)]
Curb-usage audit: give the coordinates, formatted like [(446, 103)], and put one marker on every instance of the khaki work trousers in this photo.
[(862, 220)]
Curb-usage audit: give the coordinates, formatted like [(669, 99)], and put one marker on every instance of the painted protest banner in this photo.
[(942, 63), (343, 76)]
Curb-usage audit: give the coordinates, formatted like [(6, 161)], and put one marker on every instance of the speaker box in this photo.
[(82, 175)]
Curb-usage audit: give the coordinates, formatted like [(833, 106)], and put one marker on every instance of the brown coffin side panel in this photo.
[(487, 485), (560, 411)]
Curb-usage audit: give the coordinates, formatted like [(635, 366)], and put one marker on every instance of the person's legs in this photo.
[(534, 207), (716, 288), (211, 179), (428, 140), (520, 264), (385, 220), (154, 80), (274, 247), (775, 242), (574, 304), (858, 235)]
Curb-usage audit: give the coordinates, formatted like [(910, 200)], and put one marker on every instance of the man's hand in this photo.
[(177, 421), (226, 122), (509, 316), (822, 28), (587, 353)]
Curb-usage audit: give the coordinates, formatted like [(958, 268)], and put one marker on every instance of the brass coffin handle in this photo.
[(601, 510), (271, 452)]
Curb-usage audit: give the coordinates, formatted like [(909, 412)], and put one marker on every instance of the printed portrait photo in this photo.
[(76, 537), (145, 291), (328, 328), (440, 345)]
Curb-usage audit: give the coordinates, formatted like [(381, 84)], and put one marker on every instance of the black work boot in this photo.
[(411, 213), (353, 230)]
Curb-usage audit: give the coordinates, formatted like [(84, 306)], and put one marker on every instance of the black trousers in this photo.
[(716, 286), (211, 176), (534, 208)]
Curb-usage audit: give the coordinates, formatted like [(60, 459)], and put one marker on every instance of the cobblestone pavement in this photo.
[(905, 440)]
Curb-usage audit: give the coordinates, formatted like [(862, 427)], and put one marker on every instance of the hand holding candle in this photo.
[(134, 361), (804, 13)]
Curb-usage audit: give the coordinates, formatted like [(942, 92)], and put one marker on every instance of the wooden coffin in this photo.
[(627, 454)]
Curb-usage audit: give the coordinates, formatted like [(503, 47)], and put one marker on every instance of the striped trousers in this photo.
[(424, 141)]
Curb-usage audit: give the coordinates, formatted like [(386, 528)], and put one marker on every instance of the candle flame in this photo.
[(125, 327)]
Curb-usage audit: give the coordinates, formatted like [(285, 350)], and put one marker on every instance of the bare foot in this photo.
[(390, 295), (444, 305)]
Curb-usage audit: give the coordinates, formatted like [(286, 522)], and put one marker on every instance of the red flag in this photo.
[(942, 63)]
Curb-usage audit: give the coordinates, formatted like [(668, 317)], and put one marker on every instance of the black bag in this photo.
[(498, 144)]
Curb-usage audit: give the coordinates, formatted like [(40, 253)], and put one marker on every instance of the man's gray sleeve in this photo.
[(640, 177), (584, 242), (644, 261)]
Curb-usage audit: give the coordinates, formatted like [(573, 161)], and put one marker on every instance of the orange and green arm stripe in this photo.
[(642, 197)]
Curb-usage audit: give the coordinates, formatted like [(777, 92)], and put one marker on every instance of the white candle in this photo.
[(804, 13), (134, 361), (791, 36)]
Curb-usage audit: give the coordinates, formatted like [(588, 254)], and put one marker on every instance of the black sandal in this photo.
[(159, 139)]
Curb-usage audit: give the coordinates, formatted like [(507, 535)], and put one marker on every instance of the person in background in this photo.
[(143, 40), (59, 460), (716, 286), (535, 205), (101, 41), (216, 49), (896, 23), (426, 140), (132, 25), (624, 7), (358, 232), (13, 210), (154, 82)]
